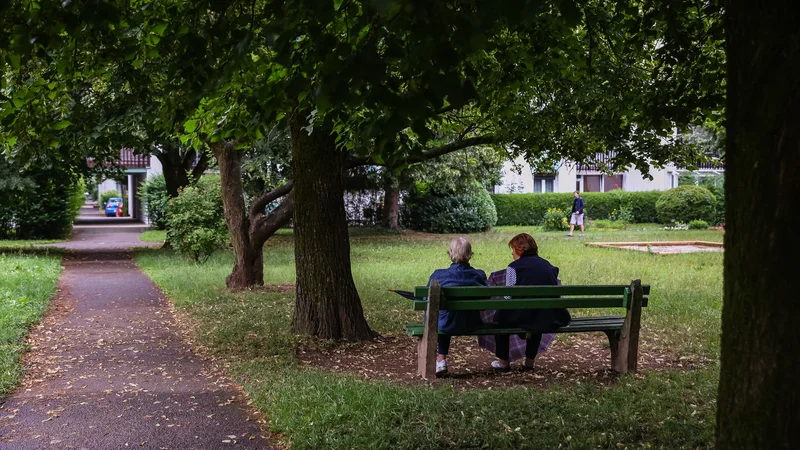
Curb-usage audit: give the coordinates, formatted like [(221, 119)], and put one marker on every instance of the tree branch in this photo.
[(200, 168), (264, 200), (430, 153), (264, 226)]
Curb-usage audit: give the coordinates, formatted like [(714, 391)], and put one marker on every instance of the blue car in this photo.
[(112, 205)]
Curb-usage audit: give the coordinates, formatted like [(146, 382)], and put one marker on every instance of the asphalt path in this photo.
[(109, 368)]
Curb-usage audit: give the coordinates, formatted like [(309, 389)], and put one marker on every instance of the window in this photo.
[(611, 183), (543, 183), (591, 183)]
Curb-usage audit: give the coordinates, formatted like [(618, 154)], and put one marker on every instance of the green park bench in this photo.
[(622, 330)]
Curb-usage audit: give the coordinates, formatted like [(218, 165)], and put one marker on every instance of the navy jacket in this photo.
[(460, 274), (577, 205), (533, 271)]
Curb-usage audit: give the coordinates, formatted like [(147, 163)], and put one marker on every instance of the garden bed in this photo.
[(663, 247)]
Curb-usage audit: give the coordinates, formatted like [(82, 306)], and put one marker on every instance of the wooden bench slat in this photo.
[(578, 325), (486, 304), (554, 291)]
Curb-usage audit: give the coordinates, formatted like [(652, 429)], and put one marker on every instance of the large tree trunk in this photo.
[(327, 303), (390, 214), (759, 395)]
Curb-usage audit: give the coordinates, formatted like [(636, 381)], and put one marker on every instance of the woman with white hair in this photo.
[(460, 273)]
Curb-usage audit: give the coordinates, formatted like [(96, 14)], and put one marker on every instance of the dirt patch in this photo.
[(671, 249), (573, 358), (663, 247)]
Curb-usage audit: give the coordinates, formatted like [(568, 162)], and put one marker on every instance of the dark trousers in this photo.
[(444, 344), (502, 346)]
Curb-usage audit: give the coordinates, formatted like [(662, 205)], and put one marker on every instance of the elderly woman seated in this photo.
[(460, 273), (527, 269)]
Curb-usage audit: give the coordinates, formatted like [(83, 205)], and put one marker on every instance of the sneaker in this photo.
[(526, 365), (441, 368), (581, 235), (497, 366), (569, 235)]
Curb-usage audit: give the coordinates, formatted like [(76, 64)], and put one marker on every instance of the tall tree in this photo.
[(759, 397)]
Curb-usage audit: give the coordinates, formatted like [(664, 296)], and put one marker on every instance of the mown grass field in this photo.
[(317, 409), (27, 282)]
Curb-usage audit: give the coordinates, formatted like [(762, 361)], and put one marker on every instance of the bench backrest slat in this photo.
[(529, 291), (530, 303)]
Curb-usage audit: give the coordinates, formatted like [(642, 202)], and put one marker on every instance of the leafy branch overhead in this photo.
[(547, 80)]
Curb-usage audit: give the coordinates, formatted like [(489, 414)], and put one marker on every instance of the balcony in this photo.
[(127, 160)]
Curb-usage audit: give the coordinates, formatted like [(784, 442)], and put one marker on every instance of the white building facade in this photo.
[(519, 177)]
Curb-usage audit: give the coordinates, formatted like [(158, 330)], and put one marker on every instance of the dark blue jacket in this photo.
[(460, 274), (533, 271), (577, 205)]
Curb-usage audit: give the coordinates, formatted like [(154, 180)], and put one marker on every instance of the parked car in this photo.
[(112, 205)]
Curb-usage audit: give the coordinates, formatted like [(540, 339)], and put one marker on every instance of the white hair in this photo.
[(460, 250)]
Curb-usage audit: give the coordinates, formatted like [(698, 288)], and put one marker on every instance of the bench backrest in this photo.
[(530, 297)]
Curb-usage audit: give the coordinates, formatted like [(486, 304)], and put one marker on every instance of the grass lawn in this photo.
[(154, 236), (26, 286), (318, 409), (6, 245)]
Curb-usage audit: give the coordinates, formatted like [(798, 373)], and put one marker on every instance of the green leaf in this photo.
[(61, 125), (190, 126), (159, 28), (14, 60)]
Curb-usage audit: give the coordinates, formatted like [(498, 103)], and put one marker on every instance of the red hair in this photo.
[(523, 244)]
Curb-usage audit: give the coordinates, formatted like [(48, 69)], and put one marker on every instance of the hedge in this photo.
[(529, 209)]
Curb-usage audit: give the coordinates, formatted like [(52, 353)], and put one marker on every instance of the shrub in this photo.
[(77, 198), (462, 213), (529, 209), (105, 196), (555, 219), (623, 214), (686, 203), (196, 220), (155, 199), (698, 225), (37, 202)]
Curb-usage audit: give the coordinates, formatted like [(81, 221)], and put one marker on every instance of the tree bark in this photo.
[(249, 230), (390, 214), (327, 304), (759, 395)]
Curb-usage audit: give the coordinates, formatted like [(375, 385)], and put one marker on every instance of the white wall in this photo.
[(155, 166), (633, 180), (515, 181)]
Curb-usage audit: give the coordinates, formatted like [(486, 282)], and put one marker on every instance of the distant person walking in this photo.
[(577, 214)]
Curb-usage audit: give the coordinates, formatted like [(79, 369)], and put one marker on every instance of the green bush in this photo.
[(196, 221), (105, 196), (37, 202), (698, 225), (155, 199), (529, 209), (77, 198), (463, 213), (555, 219), (686, 203)]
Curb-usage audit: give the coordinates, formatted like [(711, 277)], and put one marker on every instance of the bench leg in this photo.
[(426, 358), (618, 364)]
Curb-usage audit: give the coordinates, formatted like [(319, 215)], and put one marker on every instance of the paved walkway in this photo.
[(109, 369)]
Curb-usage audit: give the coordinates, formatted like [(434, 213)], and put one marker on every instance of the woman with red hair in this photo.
[(527, 269)]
